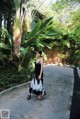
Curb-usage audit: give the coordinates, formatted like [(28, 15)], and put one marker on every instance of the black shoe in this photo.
[(44, 92), (28, 97)]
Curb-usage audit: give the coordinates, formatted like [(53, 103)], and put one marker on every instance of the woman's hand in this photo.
[(41, 61), (39, 76)]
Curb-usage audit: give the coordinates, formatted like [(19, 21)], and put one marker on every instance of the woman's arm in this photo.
[(41, 61)]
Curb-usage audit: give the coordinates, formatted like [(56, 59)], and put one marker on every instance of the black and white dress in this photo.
[(36, 85)]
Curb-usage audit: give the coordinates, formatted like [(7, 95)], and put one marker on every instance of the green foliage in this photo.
[(17, 4), (5, 34), (5, 47), (9, 76), (35, 31), (67, 30), (34, 41), (51, 33)]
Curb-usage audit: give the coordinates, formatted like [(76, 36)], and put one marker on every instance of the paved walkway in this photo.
[(59, 85)]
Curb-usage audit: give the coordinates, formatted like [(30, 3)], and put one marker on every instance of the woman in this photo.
[(36, 86)]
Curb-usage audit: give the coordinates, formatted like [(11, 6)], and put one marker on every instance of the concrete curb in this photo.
[(65, 65), (14, 87)]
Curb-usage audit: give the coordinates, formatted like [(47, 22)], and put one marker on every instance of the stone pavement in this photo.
[(55, 105)]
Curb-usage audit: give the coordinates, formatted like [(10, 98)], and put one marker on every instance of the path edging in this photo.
[(14, 87)]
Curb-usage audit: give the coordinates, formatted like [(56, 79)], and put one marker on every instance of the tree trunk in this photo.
[(17, 33), (21, 15)]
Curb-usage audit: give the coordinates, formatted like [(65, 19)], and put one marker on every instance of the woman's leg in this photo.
[(30, 92), (39, 96)]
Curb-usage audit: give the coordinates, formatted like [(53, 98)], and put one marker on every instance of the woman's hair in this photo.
[(39, 51)]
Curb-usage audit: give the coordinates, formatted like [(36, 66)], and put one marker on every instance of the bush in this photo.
[(9, 76)]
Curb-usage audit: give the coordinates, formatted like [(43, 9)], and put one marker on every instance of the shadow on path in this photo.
[(75, 107)]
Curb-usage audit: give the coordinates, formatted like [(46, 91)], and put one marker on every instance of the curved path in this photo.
[(59, 84)]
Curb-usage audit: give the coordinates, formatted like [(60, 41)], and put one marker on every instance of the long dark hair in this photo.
[(40, 52)]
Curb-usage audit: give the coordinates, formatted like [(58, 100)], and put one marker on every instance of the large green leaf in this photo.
[(5, 34), (51, 34), (66, 43), (46, 22), (4, 46), (47, 45), (34, 31), (39, 44), (23, 50)]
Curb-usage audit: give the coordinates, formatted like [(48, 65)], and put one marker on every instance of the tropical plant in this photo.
[(34, 41), (5, 47)]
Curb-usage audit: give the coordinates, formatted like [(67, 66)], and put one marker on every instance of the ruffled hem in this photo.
[(36, 87), (35, 92)]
